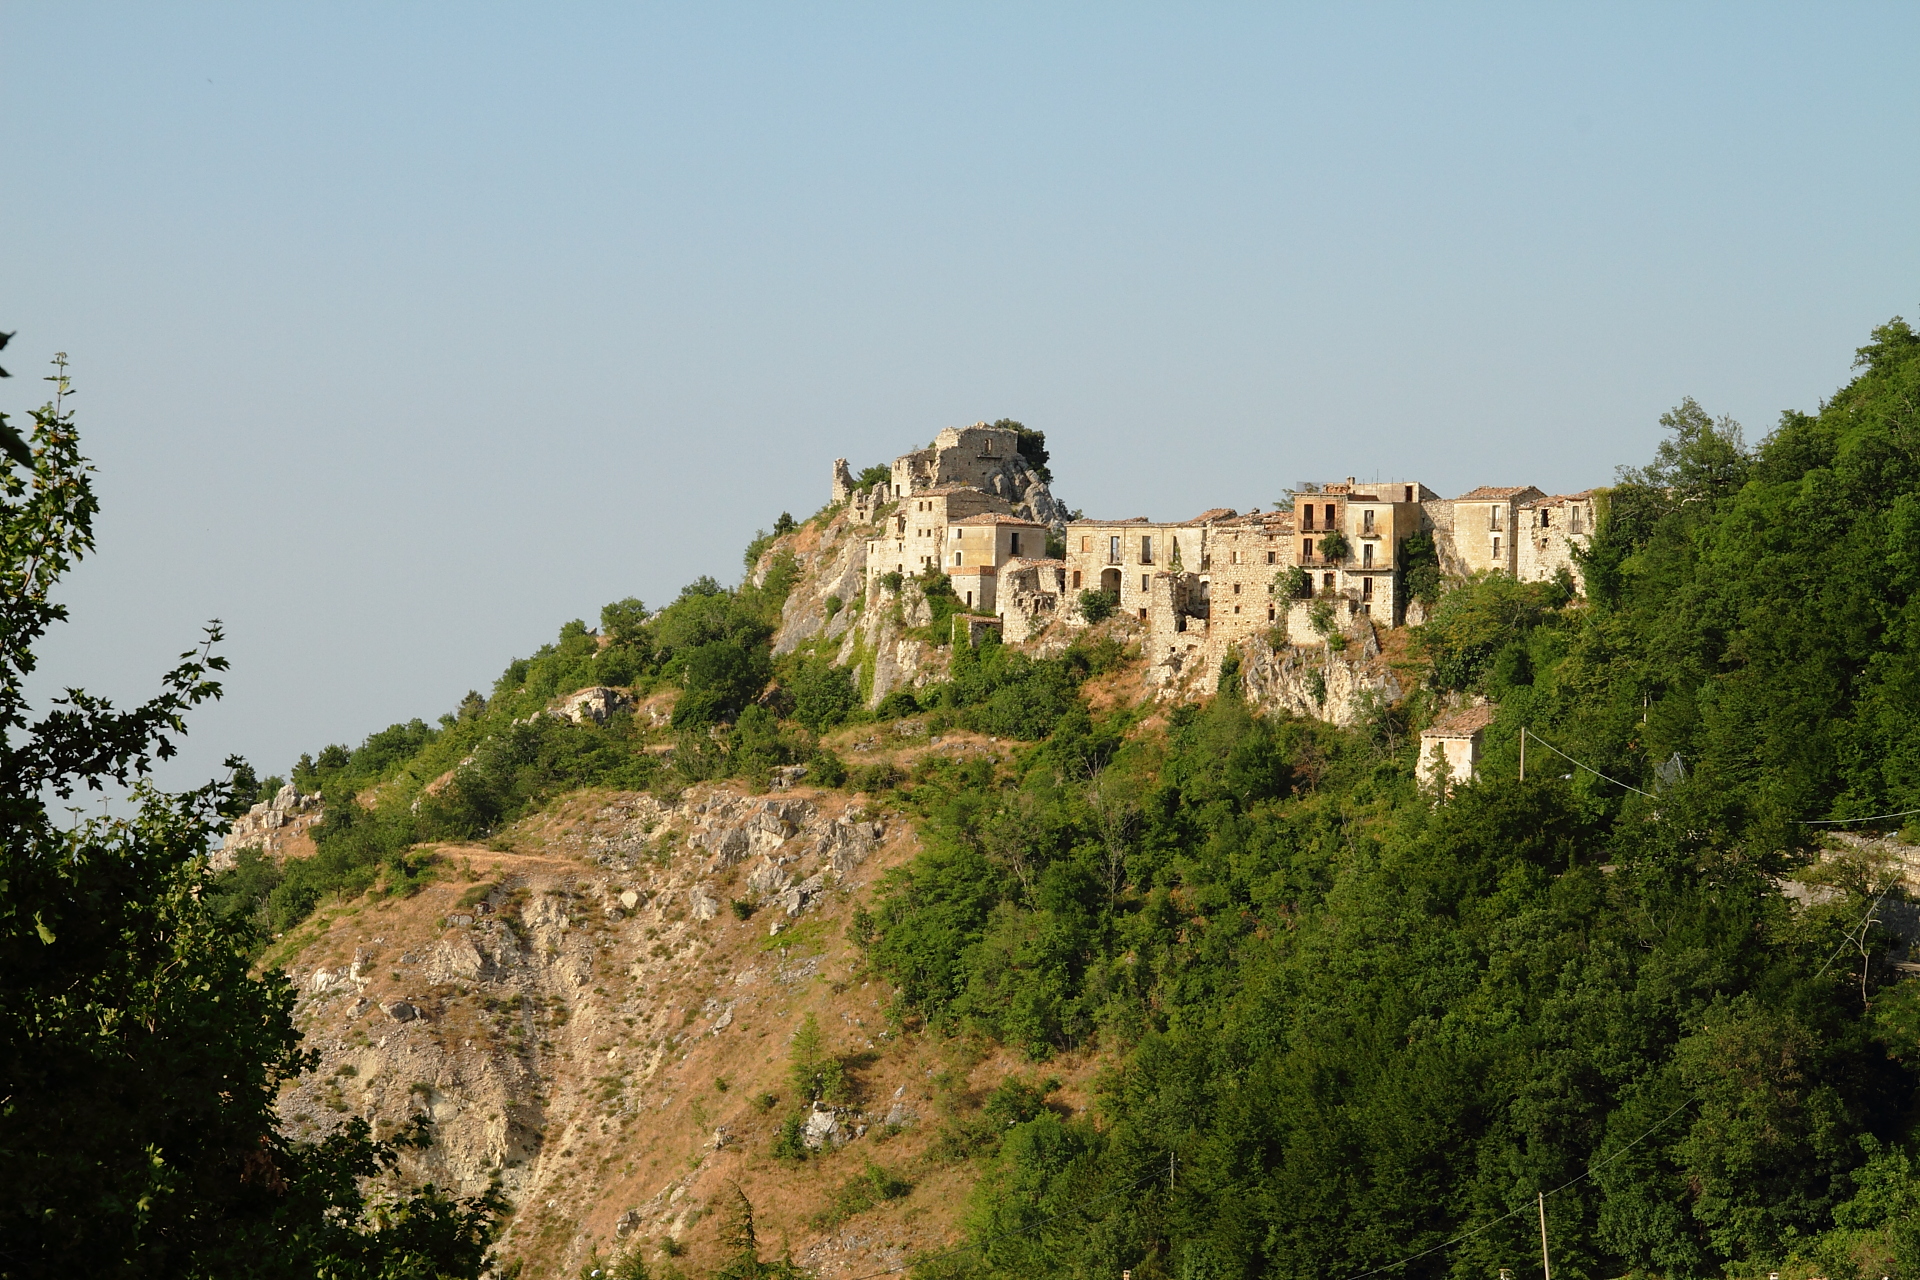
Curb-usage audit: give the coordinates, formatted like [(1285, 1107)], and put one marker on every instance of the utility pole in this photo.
[(1545, 1265), (1523, 753)]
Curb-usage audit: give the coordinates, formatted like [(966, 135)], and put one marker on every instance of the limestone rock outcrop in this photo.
[(269, 826)]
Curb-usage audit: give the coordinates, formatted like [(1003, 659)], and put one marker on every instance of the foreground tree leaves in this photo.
[(140, 1055)]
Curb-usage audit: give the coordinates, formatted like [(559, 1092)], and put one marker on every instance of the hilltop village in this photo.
[(972, 507)]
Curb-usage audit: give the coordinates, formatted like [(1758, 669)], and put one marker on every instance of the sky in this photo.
[(402, 334)]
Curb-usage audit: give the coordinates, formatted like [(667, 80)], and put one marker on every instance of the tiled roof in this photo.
[(993, 518), (1585, 495), (1462, 724), (1214, 514), (1128, 520), (1496, 493)]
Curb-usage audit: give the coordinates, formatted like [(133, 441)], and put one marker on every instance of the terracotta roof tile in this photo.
[(1495, 493), (990, 517), (1462, 724)]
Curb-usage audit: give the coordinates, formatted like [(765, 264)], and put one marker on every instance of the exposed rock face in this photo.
[(1341, 687), (885, 657), (269, 826), (826, 599), (597, 704), (557, 1014)]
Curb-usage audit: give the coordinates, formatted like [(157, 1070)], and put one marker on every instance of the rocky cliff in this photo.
[(596, 1015)]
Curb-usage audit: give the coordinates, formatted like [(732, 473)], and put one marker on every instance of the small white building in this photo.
[(1450, 748)]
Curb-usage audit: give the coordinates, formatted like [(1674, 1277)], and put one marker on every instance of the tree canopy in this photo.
[(140, 1054)]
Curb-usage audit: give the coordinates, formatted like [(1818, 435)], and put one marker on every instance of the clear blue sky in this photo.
[(404, 333)]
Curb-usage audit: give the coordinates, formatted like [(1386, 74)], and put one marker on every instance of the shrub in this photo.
[(1420, 561), (817, 1075), (790, 1143), (892, 581), (826, 770), (897, 705), (1335, 547), (823, 694), (1097, 606)]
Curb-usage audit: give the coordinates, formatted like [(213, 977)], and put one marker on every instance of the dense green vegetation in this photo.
[(736, 713), (1360, 1030), (140, 1055)]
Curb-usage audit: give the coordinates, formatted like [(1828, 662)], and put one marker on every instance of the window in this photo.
[(1270, 556), (1016, 544), (1329, 515), (1493, 517), (1086, 544), (1143, 581), (1236, 608), (1143, 615), (1409, 497), (1496, 546), (1366, 588), (1269, 613), (1306, 551), (1113, 549), (1546, 519), (1366, 520), (1146, 550), (969, 605), (1306, 514), (1366, 553), (1326, 582), (1236, 588), (957, 555), (1576, 520), (1235, 559), (1076, 579)]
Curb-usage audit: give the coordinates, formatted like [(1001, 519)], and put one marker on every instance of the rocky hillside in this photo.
[(597, 1011)]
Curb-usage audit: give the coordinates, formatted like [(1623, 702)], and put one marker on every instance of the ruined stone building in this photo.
[(970, 506), (1550, 529)]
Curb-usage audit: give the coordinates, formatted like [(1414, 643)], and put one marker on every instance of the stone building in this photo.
[(1481, 529), (1374, 520), (914, 538), (1121, 557), (1029, 594), (1549, 531), (1450, 748), (971, 506)]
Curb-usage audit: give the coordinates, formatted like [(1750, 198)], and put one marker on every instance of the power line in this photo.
[(1836, 822), (1528, 733), (1579, 1177)]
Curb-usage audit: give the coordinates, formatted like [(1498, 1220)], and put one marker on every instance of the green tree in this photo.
[(1097, 606), (140, 1054), (817, 1075)]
